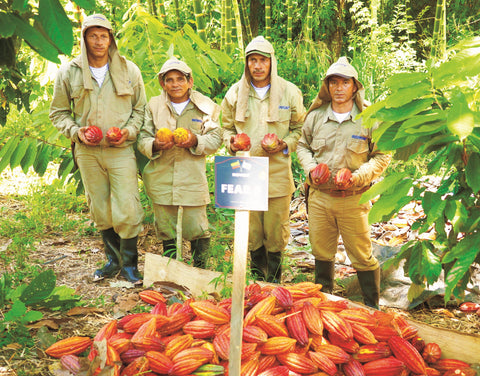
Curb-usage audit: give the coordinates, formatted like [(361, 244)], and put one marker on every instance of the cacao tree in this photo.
[(436, 113)]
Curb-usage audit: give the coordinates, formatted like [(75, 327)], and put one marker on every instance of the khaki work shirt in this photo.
[(287, 128), (177, 176), (74, 107), (347, 144)]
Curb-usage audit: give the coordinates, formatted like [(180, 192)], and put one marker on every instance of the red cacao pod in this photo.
[(469, 307), (431, 352), (320, 174), (270, 141), (114, 134), (241, 141), (93, 134), (342, 178)]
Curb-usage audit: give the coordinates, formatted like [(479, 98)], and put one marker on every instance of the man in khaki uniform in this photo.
[(332, 135), (175, 175), (260, 103), (104, 89)]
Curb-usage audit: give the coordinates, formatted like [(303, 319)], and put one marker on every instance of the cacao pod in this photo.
[(152, 297), (323, 362), (254, 334), (241, 141), (342, 178), (180, 135), (210, 312), (297, 363), (407, 353), (270, 141), (320, 174), (93, 134), (200, 328), (431, 352), (353, 368), (284, 297), (114, 134), (369, 353), (385, 367), (164, 135), (469, 307), (69, 346), (71, 363)]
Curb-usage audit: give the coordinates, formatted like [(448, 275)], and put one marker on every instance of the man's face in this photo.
[(259, 68), (98, 41), (341, 89), (176, 85)]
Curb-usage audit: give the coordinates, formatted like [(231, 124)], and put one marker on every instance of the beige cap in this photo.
[(98, 20), (174, 64), (342, 68), (266, 54)]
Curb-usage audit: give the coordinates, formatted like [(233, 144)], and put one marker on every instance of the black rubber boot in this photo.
[(274, 267), (258, 263), (129, 252), (199, 249), (325, 275), (370, 285), (111, 246), (170, 248)]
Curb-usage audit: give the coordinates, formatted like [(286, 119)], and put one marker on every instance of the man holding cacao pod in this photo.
[(180, 129), (101, 93), (341, 162), (270, 111)]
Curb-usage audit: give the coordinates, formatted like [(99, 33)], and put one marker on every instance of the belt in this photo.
[(340, 193)]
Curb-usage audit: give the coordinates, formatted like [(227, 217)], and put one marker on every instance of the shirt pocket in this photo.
[(357, 152), (78, 96), (318, 146)]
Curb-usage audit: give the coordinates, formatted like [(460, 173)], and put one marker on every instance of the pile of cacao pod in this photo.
[(288, 331)]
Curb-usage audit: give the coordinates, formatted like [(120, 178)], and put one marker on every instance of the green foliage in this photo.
[(435, 113)]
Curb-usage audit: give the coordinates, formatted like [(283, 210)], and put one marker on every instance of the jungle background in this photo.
[(420, 65)]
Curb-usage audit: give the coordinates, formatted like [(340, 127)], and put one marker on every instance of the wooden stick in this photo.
[(179, 233)]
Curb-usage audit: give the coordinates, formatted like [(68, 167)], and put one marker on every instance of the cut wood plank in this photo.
[(454, 344)]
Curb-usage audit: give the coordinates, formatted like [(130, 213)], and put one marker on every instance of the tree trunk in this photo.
[(177, 14), (308, 31), (255, 11), (337, 39), (238, 25), (438, 50), (289, 20), (245, 21)]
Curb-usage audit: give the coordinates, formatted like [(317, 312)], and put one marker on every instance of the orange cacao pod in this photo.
[(297, 363), (278, 345), (363, 335), (323, 362), (333, 352), (188, 360), (93, 134), (350, 346), (360, 316), (264, 307), (221, 342), (342, 178), (274, 326), (180, 135), (385, 367), (152, 297), (139, 366), (107, 331), (200, 329), (382, 333), (312, 318), (132, 322), (69, 346), (159, 362), (241, 141), (121, 344), (407, 353), (210, 312), (466, 371), (431, 352), (174, 323), (418, 343), (320, 174), (249, 367), (178, 344), (254, 334), (164, 135), (335, 324), (266, 362)]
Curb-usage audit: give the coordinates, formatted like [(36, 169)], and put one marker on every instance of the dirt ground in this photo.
[(74, 262)]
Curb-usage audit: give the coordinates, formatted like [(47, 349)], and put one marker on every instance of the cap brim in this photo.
[(339, 75), (266, 54)]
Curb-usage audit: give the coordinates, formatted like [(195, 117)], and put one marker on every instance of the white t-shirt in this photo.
[(261, 91), (341, 117), (179, 107), (99, 73)]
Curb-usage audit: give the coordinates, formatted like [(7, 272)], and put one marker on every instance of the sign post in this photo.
[(241, 183)]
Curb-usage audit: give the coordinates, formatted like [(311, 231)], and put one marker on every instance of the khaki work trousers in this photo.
[(194, 222), (329, 217), (110, 179), (270, 228)]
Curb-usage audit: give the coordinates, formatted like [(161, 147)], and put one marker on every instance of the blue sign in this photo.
[(241, 183)]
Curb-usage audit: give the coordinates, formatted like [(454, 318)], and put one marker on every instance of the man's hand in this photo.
[(190, 142), (233, 145), (161, 145), (122, 139), (81, 136), (281, 146)]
